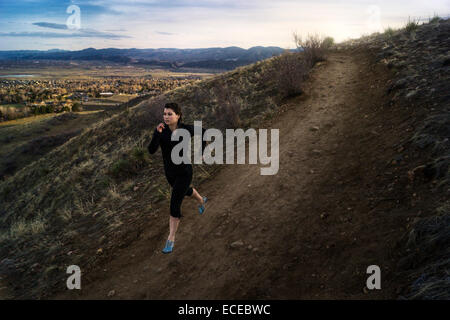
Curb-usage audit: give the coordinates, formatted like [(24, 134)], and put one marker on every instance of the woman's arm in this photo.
[(154, 144)]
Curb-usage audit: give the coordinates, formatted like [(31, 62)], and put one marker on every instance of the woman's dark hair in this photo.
[(176, 108)]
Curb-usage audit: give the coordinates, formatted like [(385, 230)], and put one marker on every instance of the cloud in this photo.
[(165, 33), (81, 33), (51, 25), (99, 34), (115, 30), (172, 3)]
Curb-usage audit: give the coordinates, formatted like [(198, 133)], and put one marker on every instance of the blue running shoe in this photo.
[(201, 208), (169, 246)]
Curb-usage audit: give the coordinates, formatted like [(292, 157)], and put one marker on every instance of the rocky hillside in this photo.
[(419, 56)]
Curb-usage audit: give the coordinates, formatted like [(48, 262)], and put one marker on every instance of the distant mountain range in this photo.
[(210, 58)]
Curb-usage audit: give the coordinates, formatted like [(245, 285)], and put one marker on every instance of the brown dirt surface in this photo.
[(338, 204)]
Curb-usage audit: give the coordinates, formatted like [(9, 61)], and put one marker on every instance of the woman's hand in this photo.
[(160, 127)]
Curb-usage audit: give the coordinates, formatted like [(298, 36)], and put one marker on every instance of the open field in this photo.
[(80, 72), (13, 105)]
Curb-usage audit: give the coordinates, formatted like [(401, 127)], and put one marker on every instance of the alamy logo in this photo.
[(257, 147), (74, 281), (374, 281), (373, 22), (74, 20)]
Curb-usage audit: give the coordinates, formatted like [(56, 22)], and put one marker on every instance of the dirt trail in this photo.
[(309, 232)]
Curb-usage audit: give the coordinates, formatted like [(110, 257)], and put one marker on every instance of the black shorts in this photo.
[(180, 183)]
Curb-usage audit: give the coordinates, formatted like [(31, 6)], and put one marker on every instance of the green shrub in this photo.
[(435, 19), (411, 25), (130, 165), (389, 32), (104, 182), (314, 47), (229, 107), (44, 171), (328, 42), (49, 109), (138, 153), (121, 167), (289, 71), (77, 107), (5, 192)]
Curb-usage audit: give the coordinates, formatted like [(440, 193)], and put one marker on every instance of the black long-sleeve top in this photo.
[(163, 139)]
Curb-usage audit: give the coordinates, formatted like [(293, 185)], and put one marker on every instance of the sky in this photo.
[(80, 24)]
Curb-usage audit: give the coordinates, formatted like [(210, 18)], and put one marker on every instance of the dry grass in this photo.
[(411, 25), (429, 256), (434, 19), (22, 227), (290, 70), (314, 47), (14, 111), (389, 32), (229, 107)]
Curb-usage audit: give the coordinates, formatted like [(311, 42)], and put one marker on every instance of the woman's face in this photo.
[(170, 117)]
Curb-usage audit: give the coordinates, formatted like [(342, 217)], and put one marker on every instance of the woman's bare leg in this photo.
[(197, 196), (173, 226)]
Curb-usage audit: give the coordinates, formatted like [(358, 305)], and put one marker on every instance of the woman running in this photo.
[(179, 176)]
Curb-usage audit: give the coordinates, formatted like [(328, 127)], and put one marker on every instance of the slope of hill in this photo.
[(61, 209), (27, 139), (419, 57)]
